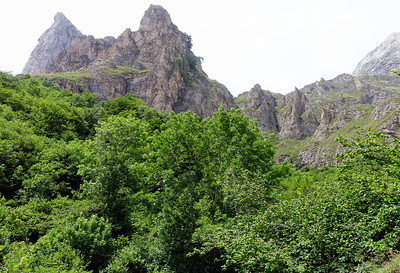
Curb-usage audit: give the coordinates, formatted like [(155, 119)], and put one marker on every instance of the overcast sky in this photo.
[(279, 44)]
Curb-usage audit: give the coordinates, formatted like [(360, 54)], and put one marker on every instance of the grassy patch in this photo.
[(391, 266), (75, 76), (121, 71), (290, 148), (242, 98)]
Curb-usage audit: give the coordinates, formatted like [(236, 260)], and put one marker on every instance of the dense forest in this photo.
[(115, 186)]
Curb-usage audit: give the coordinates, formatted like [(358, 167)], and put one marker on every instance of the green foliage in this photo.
[(128, 259), (131, 105), (119, 71), (22, 257), (199, 167), (120, 143), (58, 120), (189, 41), (18, 149), (115, 186), (90, 238), (56, 171), (34, 219), (193, 63), (178, 60)]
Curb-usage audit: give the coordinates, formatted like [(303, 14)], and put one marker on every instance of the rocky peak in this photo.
[(53, 41), (60, 18), (260, 105), (385, 56), (155, 17), (257, 96), (297, 120), (155, 62)]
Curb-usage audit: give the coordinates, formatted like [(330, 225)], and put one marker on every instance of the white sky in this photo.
[(279, 44)]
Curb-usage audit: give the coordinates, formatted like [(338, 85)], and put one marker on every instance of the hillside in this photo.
[(384, 57), (102, 169), (115, 186), (157, 64)]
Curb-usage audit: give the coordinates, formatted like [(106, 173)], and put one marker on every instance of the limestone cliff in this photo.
[(310, 118), (296, 120), (56, 39), (385, 56), (155, 62), (260, 105)]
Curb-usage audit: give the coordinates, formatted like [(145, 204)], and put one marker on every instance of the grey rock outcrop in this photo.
[(385, 56), (81, 52), (53, 41), (316, 113), (297, 121), (155, 62), (260, 105)]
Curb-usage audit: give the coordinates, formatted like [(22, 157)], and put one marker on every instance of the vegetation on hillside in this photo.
[(115, 186)]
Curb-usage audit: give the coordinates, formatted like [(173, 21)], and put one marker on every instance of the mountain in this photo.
[(56, 39), (155, 62), (307, 121), (260, 105), (386, 56)]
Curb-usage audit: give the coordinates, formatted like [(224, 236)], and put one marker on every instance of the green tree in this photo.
[(89, 237), (120, 144), (19, 147), (131, 105), (56, 171), (206, 170), (235, 152)]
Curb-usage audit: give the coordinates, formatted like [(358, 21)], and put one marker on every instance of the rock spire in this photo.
[(385, 56), (53, 41)]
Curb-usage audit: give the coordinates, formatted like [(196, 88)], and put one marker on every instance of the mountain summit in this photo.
[(56, 39), (155, 62), (155, 17), (385, 56)]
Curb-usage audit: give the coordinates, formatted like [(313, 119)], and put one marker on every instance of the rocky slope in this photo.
[(386, 56), (155, 62), (55, 40), (260, 105), (307, 121)]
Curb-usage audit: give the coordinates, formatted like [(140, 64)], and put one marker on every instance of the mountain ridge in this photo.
[(54, 40), (157, 61), (157, 64), (383, 58)]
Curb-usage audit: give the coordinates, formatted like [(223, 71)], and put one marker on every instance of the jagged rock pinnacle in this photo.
[(54, 40), (385, 56), (256, 87), (155, 17), (60, 17), (154, 62)]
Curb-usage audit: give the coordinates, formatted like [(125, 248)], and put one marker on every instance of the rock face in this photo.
[(297, 120), (385, 56), (260, 105), (307, 120), (56, 39), (155, 62)]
